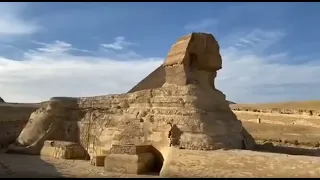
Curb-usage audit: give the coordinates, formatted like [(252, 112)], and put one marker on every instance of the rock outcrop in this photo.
[(13, 118), (1, 100), (186, 112)]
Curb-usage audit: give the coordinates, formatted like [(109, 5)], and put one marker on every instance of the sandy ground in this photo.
[(184, 163), (239, 163), (310, 105), (300, 130), (13, 165)]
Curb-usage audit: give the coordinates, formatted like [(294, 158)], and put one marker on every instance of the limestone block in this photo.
[(129, 159), (63, 150), (129, 164), (130, 149)]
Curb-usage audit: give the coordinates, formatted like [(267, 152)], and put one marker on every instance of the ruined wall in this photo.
[(281, 125), (13, 118)]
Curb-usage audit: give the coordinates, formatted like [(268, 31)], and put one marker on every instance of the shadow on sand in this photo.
[(25, 161), (14, 118), (269, 147), (26, 166)]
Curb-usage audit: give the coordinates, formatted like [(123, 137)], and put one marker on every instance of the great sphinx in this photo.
[(185, 111)]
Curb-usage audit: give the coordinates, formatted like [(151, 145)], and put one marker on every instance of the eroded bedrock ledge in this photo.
[(238, 163)]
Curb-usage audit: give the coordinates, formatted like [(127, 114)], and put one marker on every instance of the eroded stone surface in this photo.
[(13, 118), (130, 149), (63, 150), (129, 163), (130, 158)]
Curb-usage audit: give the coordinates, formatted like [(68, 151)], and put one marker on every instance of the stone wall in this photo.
[(13, 118)]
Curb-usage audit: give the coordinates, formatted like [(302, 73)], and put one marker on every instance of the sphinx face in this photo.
[(194, 58), (214, 60), (206, 48)]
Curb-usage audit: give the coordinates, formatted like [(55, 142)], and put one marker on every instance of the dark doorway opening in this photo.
[(158, 163)]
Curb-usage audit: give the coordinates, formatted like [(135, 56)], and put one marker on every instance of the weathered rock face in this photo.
[(13, 118), (186, 112)]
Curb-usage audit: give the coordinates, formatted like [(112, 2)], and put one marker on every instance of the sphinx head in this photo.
[(193, 58)]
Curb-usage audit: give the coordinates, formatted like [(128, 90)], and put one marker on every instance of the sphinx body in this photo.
[(186, 111)]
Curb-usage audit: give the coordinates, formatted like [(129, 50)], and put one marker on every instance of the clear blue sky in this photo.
[(270, 50)]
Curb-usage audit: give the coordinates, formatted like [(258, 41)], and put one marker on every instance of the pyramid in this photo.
[(154, 80)]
